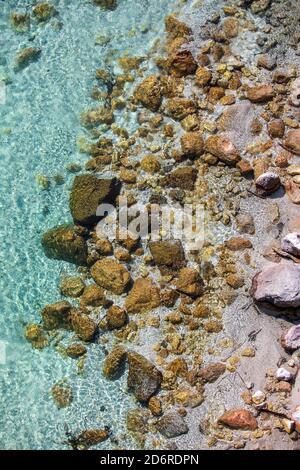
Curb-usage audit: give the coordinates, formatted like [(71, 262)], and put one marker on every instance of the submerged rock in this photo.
[(114, 362), (36, 336), (172, 425), (182, 177), (64, 243), (144, 378), (180, 108), (57, 315), (84, 326), (62, 394), (87, 193), (278, 284), (43, 11), (223, 148), (93, 296), (149, 93), (181, 63), (168, 253), (111, 275), (291, 244), (76, 350), (20, 21), (239, 419), (116, 317), (72, 286), (137, 420), (144, 296), (106, 4), (290, 340), (92, 437), (192, 145), (25, 57), (97, 116)]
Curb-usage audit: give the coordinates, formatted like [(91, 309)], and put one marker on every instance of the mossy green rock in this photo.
[(63, 243), (87, 193)]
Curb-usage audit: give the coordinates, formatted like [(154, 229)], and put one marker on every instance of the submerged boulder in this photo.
[(64, 243), (84, 326), (43, 11), (36, 336), (114, 362), (25, 57), (87, 193), (111, 275), (168, 253), (182, 177), (106, 4), (278, 284), (57, 315), (144, 378)]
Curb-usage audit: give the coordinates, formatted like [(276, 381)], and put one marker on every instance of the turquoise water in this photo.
[(39, 123)]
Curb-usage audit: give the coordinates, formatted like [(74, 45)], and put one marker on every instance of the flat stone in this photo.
[(278, 284)]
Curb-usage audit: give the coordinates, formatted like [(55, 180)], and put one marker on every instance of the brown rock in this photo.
[(93, 296), (62, 394), (212, 372), (150, 164), (292, 141), (182, 177), (144, 378), (190, 282), (110, 275), (276, 128), (222, 148), (56, 315), (239, 419), (36, 336), (167, 253), (235, 281), (181, 63), (155, 406), (203, 76), (260, 94), (84, 326), (92, 437), (215, 94), (116, 317), (192, 145), (137, 420), (176, 28), (231, 27), (114, 362), (72, 286), (149, 93), (87, 193), (238, 243), (63, 242), (144, 296), (245, 167), (180, 108), (292, 190), (76, 350)]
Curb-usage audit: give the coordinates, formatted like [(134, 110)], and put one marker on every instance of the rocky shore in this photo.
[(209, 339)]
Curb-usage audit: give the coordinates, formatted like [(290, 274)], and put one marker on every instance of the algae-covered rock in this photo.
[(64, 243), (180, 108), (111, 275), (25, 57), (144, 296), (182, 177), (76, 350), (36, 336), (181, 63), (137, 420), (106, 4), (84, 326), (93, 296), (72, 286), (114, 362), (43, 11), (92, 437), (57, 315), (62, 394), (97, 116), (149, 93), (192, 144), (144, 378), (20, 22), (87, 193), (116, 317)]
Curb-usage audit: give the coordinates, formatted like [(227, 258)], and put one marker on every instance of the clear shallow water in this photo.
[(39, 124)]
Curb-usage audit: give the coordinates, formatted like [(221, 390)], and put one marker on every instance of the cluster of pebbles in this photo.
[(216, 128)]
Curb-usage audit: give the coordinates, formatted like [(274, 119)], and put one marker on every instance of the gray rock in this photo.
[(144, 378), (291, 243), (278, 284), (172, 425), (290, 340)]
